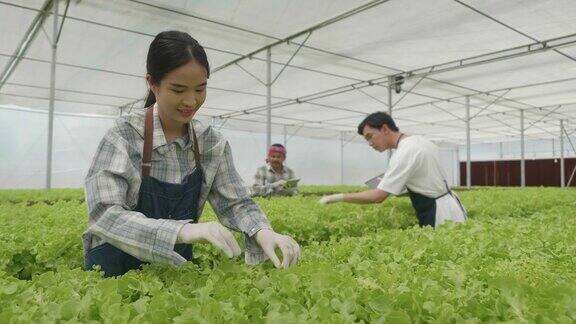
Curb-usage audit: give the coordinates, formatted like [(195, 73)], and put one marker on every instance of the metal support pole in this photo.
[(268, 97), (390, 81), (501, 148), (562, 181), (573, 150), (341, 158), (54, 44), (522, 152), (468, 163), (285, 136)]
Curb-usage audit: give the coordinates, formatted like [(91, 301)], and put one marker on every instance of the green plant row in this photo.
[(492, 270)]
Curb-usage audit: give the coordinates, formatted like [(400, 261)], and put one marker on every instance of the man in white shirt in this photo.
[(415, 167)]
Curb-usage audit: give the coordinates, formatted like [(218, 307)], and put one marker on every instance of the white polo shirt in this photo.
[(416, 165)]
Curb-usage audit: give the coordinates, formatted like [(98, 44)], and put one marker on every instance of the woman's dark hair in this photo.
[(278, 145), (376, 120), (168, 51)]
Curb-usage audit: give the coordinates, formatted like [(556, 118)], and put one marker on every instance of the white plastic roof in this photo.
[(325, 89)]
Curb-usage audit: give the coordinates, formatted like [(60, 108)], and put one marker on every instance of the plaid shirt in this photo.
[(114, 178), (264, 178)]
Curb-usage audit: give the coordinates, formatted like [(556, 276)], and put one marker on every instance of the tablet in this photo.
[(373, 183), (290, 183)]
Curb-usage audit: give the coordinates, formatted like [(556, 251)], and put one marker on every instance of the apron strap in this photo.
[(448, 191), (148, 138), (148, 135), (196, 149)]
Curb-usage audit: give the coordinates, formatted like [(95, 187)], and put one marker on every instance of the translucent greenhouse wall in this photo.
[(23, 154), (534, 149)]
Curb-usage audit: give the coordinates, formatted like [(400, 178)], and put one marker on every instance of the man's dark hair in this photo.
[(376, 120), (278, 145)]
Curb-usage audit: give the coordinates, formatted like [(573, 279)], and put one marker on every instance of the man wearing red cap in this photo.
[(271, 179)]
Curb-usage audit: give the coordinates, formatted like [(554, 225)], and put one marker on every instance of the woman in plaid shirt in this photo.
[(154, 170)]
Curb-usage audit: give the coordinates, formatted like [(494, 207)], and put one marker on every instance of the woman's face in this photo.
[(180, 93)]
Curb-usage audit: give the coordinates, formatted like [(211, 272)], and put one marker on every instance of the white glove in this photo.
[(331, 199), (269, 240), (278, 184), (211, 232)]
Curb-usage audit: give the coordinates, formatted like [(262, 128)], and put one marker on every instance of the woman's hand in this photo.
[(270, 240), (211, 232)]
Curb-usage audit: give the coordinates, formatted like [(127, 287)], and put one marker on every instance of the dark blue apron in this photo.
[(156, 199), (426, 206)]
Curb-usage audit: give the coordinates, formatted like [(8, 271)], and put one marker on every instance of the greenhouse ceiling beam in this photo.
[(548, 113), (292, 57), (27, 39), (440, 100), (416, 123), (497, 56), (452, 100), (446, 111), (293, 133), (315, 27), (543, 117), (310, 47), (295, 43), (61, 100), (504, 123), (367, 62), (179, 12), (448, 134), (212, 48), (250, 74), (405, 92), (114, 106), (488, 92), (373, 97), (129, 75), (490, 104), (429, 123), (100, 94), (452, 139), (362, 113), (133, 102), (481, 138), (511, 113), (232, 53), (439, 68), (510, 27), (487, 128), (442, 136), (293, 66)]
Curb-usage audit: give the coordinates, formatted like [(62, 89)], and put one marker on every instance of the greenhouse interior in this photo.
[(374, 161)]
